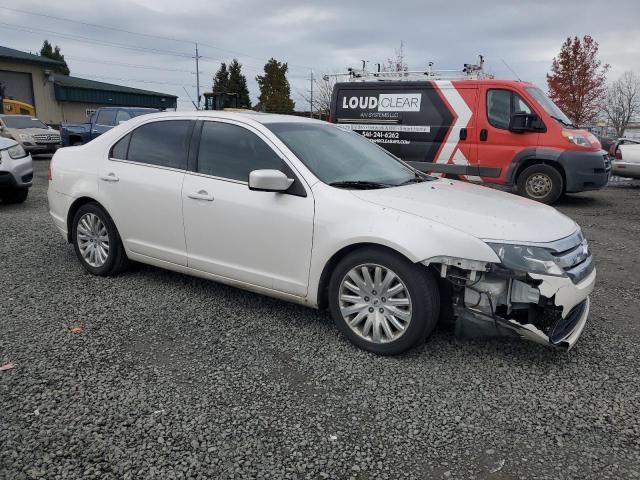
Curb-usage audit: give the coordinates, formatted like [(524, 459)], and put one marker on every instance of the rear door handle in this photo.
[(484, 134), (201, 195), (463, 134), (111, 177)]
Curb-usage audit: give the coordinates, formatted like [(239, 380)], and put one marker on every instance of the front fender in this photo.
[(343, 220)]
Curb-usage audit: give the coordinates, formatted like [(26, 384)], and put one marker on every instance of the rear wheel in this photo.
[(540, 182), (97, 242), (382, 302), (18, 195)]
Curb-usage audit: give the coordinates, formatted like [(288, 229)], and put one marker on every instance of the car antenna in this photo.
[(511, 69)]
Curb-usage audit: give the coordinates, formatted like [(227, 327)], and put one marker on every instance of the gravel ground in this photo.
[(176, 377)]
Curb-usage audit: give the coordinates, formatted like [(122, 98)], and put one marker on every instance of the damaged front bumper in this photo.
[(491, 300)]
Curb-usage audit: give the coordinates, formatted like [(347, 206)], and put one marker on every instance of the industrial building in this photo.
[(60, 98)]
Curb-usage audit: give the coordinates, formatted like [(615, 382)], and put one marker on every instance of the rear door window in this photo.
[(122, 116), (162, 144), (106, 118)]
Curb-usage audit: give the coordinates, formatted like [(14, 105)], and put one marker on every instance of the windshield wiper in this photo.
[(418, 178), (562, 122), (360, 184)]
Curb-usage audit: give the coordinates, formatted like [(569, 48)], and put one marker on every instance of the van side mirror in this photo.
[(269, 181), (525, 122)]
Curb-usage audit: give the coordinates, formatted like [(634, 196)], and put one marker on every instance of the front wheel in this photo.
[(540, 182), (96, 241), (382, 302)]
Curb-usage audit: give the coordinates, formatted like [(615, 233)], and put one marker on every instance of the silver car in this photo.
[(34, 136), (16, 171)]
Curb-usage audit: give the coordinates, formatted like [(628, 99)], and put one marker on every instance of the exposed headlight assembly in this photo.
[(525, 258), (16, 151)]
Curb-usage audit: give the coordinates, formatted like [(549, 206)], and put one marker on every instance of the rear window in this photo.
[(162, 144), (106, 118)]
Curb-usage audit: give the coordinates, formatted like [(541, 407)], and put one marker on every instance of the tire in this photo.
[(376, 317), (93, 222), (542, 183), (19, 195)]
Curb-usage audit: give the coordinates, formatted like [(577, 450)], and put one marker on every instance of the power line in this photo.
[(161, 37), (21, 28), (132, 65), (45, 15)]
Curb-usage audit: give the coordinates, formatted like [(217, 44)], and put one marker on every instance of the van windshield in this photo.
[(344, 159), (547, 104)]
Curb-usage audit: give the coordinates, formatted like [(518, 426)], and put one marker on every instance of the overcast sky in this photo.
[(325, 35)]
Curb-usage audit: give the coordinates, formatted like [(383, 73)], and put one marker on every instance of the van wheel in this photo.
[(540, 182), (97, 242), (382, 302)]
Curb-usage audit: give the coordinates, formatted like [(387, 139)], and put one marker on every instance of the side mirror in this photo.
[(269, 181), (525, 122)]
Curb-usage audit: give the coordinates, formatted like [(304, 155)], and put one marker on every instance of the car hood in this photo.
[(483, 212), (6, 142), (33, 131)]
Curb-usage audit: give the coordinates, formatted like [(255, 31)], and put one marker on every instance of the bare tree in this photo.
[(397, 63), (622, 101), (322, 91)]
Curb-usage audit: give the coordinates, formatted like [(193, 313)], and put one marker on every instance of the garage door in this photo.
[(18, 86)]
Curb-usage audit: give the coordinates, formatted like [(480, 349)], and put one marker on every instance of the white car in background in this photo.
[(307, 212), (626, 158)]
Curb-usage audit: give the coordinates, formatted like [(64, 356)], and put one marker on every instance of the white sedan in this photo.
[(304, 211)]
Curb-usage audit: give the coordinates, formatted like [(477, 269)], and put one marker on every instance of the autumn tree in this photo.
[(577, 79), (622, 101), (275, 91), (238, 84), (54, 53)]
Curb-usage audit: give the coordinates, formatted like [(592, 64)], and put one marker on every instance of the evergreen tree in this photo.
[(275, 91), (238, 84), (221, 79), (49, 51)]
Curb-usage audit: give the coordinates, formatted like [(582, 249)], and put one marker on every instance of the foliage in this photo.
[(238, 84), (54, 53), (275, 91), (577, 79)]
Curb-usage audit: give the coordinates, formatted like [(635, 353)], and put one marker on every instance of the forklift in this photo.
[(222, 101)]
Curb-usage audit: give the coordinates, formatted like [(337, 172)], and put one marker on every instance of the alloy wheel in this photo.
[(375, 303), (93, 239)]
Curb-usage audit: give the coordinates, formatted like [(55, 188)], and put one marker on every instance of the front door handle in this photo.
[(463, 134), (111, 177), (484, 134), (201, 195)]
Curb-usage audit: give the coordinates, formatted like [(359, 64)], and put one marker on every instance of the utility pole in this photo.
[(311, 96), (198, 57)]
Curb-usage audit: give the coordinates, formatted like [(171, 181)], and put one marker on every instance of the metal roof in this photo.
[(74, 89), (24, 57)]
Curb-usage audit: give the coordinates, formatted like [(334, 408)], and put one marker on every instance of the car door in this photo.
[(141, 185), (259, 238), (497, 145)]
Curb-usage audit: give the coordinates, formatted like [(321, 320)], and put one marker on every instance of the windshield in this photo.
[(337, 157), (547, 104), (23, 122)]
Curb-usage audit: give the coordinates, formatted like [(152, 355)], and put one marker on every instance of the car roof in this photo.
[(259, 117)]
